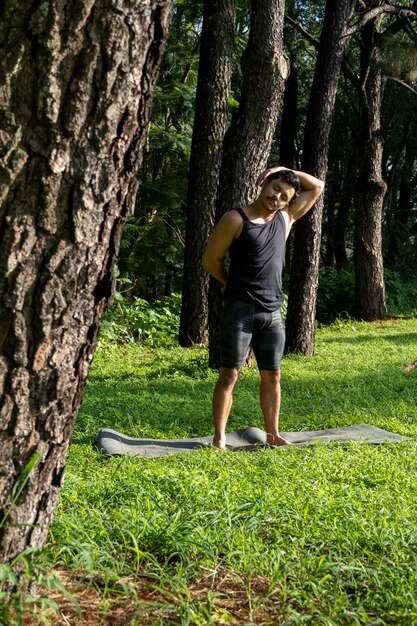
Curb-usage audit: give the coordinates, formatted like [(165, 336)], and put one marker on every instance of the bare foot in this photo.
[(277, 440), (218, 443)]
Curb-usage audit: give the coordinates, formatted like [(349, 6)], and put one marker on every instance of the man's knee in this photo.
[(228, 376), (271, 377)]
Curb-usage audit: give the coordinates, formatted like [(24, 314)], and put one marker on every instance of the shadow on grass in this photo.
[(399, 339)]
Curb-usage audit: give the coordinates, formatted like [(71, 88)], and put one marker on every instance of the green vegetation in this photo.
[(133, 319), (324, 534), (336, 294), (153, 241)]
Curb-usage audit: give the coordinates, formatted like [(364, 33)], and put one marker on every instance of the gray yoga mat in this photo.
[(111, 442)]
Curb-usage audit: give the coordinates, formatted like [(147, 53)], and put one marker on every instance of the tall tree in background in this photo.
[(289, 116), (152, 247), (355, 123), (210, 123), (288, 134), (341, 172), (400, 153), (248, 139), (76, 87), (401, 224), (369, 266), (300, 320)]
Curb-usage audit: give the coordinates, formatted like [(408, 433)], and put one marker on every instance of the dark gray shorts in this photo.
[(245, 323)]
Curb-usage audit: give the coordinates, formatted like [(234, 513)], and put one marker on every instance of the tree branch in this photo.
[(297, 26), (402, 83), (315, 42), (372, 13)]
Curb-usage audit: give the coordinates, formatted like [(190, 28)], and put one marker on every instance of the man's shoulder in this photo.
[(232, 217), (231, 223), (235, 213)]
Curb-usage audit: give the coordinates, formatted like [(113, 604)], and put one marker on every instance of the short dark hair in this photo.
[(290, 178)]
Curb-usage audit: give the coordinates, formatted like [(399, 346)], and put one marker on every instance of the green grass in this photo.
[(331, 528)]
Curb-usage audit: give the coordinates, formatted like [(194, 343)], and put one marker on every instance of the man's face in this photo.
[(276, 194)]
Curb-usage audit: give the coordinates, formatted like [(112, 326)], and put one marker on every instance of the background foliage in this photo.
[(153, 242)]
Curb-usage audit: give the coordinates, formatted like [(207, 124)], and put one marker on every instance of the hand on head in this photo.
[(271, 170)]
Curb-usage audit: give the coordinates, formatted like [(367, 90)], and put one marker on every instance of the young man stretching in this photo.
[(255, 238)]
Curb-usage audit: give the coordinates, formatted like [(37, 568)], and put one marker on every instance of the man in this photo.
[(255, 238)]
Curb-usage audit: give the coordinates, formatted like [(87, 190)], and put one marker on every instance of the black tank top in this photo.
[(257, 258)]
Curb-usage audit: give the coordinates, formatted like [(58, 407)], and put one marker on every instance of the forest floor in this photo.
[(323, 534)]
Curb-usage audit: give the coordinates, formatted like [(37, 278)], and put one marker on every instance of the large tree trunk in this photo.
[(301, 313), (369, 270), (248, 140), (210, 123), (76, 85)]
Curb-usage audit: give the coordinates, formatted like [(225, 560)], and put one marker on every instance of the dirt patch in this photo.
[(142, 602)]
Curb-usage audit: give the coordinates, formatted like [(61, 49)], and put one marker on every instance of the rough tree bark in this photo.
[(333, 193), (248, 139), (369, 271), (76, 83), (369, 268), (210, 123), (301, 312)]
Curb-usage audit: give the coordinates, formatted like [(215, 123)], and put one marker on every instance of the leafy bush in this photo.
[(133, 319), (401, 293)]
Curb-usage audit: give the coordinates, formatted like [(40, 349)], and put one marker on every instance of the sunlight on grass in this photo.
[(331, 528)]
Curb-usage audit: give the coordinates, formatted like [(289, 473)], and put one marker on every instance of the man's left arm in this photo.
[(311, 189)]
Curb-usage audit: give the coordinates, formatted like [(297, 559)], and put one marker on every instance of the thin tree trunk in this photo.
[(339, 197), (248, 140), (333, 193), (369, 269), (76, 91), (301, 313), (400, 215), (288, 134), (344, 210), (210, 123), (288, 130), (287, 147)]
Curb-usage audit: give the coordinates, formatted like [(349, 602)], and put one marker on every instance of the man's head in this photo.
[(279, 190), (287, 176)]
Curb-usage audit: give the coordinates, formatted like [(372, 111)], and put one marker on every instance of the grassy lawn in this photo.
[(325, 534)]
